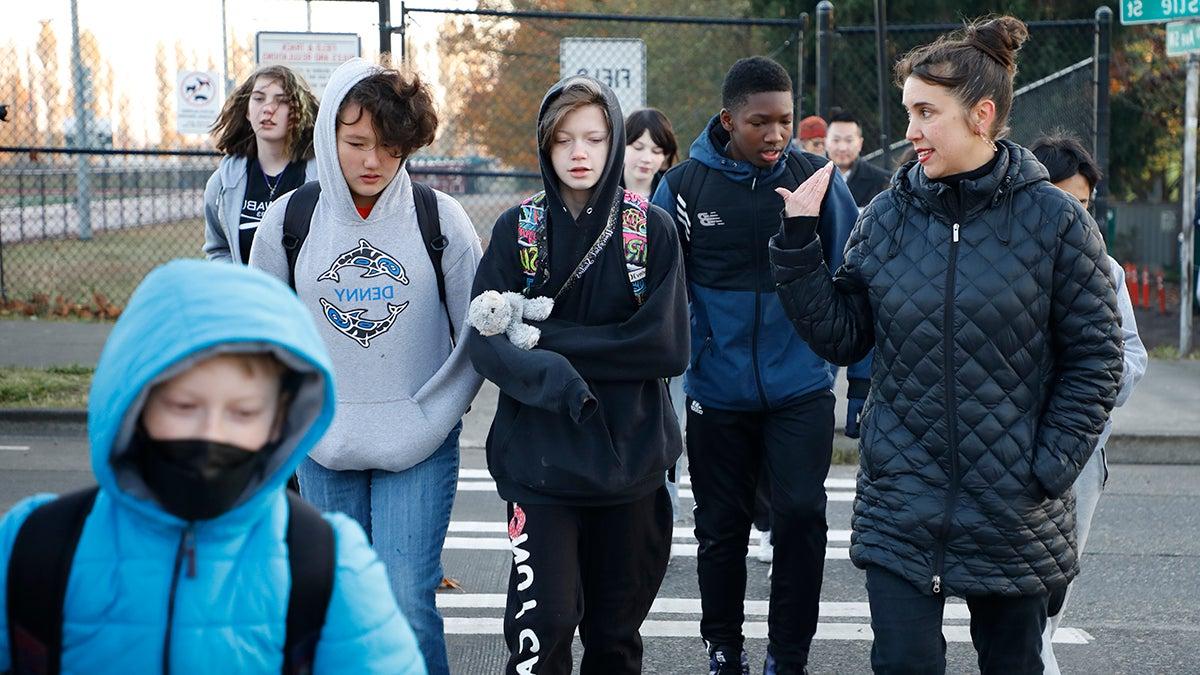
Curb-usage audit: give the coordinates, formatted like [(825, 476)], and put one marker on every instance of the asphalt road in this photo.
[(1136, 608)]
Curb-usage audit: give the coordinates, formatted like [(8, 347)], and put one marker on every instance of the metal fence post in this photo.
[(885, 116), (385, 26), (1101, 58), (800, 30), (824, 56)]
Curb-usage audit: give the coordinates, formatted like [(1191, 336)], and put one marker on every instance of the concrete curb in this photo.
[(25, 416), (1121, 449), (1153, 449)]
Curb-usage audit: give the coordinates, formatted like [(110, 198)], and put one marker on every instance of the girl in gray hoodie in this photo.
[(265, 130), (390, 459)]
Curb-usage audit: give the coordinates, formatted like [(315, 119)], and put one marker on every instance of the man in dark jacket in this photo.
[(843, 144), (756, 393)]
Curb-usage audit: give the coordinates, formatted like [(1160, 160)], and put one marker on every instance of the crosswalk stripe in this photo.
[(684, 493), (752, 629), (680, 550), (489, 527), (954, 610), (830, 483)]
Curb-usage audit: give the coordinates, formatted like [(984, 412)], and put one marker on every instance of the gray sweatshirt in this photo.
[(223, 196), (372, 291), (1135, 351)]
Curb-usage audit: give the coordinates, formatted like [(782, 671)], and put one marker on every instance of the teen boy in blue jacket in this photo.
[(756, 392), (211, 389)]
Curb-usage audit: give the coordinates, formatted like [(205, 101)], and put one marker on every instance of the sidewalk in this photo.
[(1159, 425)]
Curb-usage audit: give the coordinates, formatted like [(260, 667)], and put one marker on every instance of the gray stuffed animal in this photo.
[(493, 313)]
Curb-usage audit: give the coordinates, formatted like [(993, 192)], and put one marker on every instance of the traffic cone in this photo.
[(1146, 287), (1131, 282)]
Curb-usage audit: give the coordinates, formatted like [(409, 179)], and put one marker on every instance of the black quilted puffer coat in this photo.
[(998, 355)]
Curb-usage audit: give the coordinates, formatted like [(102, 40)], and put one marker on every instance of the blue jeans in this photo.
[(677, 397), (405, 515), (1088, 487)]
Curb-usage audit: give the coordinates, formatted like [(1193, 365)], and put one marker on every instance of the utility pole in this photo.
[(1188, 231), (83, 130)]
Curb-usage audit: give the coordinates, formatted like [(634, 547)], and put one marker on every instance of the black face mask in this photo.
[(196, 479)]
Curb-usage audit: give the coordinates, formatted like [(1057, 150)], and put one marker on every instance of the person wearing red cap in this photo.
[(812, 134)]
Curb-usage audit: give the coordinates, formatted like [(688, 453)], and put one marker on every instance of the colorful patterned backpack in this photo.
[(535, 256)]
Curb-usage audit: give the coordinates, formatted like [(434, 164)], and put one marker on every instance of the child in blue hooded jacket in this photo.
[(211, 389)]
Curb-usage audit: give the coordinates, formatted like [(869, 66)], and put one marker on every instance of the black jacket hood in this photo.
[(607, 193), (1016, 169)]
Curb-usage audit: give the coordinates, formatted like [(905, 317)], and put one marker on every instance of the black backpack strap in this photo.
[(311, 560), (296, 219), (430, 222), (691, 179), (38, 570), (801, 168)]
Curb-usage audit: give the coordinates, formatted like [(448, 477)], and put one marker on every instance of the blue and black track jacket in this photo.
[(745, 354)]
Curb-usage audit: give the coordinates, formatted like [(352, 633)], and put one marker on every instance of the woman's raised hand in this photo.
[(805, 200)]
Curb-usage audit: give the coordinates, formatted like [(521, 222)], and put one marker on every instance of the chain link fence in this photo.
[(1054, 81), (86, 208)]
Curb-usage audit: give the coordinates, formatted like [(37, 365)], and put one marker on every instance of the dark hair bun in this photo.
[(998, 38)]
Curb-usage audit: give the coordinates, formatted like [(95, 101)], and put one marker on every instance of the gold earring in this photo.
[(987, 140)]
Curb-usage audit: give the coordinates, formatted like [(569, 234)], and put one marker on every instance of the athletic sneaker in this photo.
[(772, 668), (723, 661), (766, 552)]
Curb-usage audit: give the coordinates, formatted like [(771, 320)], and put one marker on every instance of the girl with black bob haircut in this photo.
[(650, 149), (982, 288)]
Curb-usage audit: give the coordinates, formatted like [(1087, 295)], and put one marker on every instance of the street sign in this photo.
[(314, 56), (1183, 38), (197, 101), (618, 62), (1157, 11)]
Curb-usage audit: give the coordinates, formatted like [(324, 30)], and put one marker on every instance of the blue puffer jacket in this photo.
[(229, 616)]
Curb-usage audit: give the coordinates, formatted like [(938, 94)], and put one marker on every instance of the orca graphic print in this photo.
[(353, 321), (353, 325), (367, 257)]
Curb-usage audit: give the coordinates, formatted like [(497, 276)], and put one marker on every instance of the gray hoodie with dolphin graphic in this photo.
[(370, 285)]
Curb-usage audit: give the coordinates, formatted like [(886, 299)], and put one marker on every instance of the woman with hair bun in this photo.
[(983, 290)]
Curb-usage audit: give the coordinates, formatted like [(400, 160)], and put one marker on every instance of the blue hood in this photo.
[(709, 149), (182, 313)]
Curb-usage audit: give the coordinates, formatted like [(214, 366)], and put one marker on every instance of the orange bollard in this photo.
[(1146, 287), (1131, 282), (1162, 293)]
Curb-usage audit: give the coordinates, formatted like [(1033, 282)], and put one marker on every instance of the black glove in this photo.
[(856, 398), (854, 408), (798, 231)]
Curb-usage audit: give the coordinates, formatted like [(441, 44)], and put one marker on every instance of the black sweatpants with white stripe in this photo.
[(727, 453), (597, 568)]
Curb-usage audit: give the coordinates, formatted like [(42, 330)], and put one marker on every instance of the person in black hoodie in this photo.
[(584, 432), (984, 291)]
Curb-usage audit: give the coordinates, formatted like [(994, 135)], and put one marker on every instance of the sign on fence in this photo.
[(1157, 11), (618, 62), (1183, 38), (197, 101), (314, 56)]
